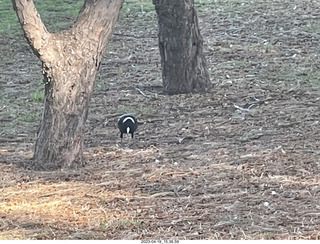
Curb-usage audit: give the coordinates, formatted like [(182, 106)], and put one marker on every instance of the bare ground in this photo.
[(241, 162)]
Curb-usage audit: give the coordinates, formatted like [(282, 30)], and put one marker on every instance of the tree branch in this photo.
[(94, 19), (34, 29)]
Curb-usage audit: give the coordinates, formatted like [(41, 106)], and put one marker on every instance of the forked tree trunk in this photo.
[(70, 61), (184, 67)]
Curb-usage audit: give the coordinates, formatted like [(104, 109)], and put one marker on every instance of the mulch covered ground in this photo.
[(240, 162)]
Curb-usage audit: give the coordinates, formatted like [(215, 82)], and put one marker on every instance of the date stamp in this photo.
[(159, 241)]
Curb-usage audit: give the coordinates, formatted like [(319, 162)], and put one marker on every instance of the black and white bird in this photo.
[(127, 124)]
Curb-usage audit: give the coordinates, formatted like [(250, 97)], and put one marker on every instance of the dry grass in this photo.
[(52, 207)]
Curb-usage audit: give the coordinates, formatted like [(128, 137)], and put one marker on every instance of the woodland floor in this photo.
[(241, 162)]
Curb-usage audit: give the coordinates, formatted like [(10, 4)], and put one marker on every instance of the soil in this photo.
[(239, 162)]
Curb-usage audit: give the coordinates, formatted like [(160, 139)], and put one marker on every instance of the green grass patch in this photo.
[(138, 7), (16, 112), (312, 78), (37, 96), (56, 15), (313, 26), (28, 116), (231, 7), (9, 25)]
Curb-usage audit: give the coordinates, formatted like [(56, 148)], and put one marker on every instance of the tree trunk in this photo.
[(183, 64), (70, 61)]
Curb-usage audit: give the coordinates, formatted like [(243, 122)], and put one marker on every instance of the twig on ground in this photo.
[(141, 92), (243, 109)]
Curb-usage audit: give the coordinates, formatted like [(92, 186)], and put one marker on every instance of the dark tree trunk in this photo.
[(70, 61), (183, 64)]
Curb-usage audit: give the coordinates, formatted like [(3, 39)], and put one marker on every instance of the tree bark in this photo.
[(183, 64), (70, 61)]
